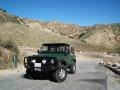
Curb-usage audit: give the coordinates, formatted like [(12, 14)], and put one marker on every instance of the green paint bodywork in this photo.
[(66, 58)]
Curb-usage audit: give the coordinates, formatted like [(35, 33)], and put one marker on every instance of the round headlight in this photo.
[(52, 61), (33, 61), (44, 61)]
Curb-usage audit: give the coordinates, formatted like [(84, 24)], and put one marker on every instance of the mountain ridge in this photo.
[(107, 36)]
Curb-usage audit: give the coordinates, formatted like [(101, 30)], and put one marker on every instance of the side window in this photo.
[(67, 49), (72, 50), (61, 48), (52, 48), (44, 48)]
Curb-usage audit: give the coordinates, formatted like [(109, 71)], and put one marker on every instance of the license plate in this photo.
[(37, 65), (37, 69)]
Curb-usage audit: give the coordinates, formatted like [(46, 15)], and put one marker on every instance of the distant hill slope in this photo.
[(33, 32), (107, 36), (5, 17)]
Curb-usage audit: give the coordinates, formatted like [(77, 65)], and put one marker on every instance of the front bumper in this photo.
[(43, 68), (40, 67)]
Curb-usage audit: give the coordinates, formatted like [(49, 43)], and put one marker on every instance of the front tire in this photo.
[(30, 74), (60, 74)]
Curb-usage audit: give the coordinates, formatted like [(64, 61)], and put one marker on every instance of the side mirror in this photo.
[(38, 51), (72, 50)]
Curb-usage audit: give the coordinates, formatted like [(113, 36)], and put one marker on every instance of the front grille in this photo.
[(48, 66), (39, 60)]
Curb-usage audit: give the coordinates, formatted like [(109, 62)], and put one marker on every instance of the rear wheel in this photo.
[(73, 69), (60, 74)]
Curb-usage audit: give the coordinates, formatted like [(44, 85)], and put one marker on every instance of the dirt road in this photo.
[(89, 76)]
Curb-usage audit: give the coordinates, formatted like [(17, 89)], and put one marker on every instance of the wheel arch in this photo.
[(63, 63), (74, 60)]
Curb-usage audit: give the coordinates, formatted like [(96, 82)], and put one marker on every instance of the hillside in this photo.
[(107, 36), (31, 33), (5, 17)]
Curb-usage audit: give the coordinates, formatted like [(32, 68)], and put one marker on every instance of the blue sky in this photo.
[(80, 12)]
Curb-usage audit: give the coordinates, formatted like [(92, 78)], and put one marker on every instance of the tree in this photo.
[(3, 10)]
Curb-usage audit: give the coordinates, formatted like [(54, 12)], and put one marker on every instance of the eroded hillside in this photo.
[(25, 31), (107, 36)]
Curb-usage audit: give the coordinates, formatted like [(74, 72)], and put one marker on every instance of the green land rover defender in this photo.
[(55, 58)]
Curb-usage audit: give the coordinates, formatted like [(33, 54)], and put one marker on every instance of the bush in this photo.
[(117, 50), (0, 52), (6, 55), (10, 45), (0, 46), (3, 10)]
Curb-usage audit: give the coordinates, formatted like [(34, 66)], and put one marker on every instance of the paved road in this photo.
[(89, 76)]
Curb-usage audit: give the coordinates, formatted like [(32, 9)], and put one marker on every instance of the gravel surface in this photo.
[(89, 76)]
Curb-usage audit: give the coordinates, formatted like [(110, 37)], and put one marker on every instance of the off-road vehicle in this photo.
[(55, 58)]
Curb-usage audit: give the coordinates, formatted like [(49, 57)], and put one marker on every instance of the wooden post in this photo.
[(14, 60)]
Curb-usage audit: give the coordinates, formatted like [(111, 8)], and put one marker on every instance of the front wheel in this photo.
[(60, 74), (30, 74)]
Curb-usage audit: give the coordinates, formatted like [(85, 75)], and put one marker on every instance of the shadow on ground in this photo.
[(40, 76), (99, 81)]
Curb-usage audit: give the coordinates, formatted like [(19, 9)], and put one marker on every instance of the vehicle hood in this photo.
[(49, 55)]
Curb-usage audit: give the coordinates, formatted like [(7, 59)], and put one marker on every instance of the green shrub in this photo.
[(0, 52), (10, 45), (1, 9), (117, 50)]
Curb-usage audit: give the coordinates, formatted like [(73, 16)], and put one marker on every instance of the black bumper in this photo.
[(48, 67), (43, 68)]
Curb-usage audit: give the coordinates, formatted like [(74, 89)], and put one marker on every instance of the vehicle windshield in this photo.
[(53, 48)]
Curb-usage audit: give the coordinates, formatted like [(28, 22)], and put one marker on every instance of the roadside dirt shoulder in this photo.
[(8, 72)]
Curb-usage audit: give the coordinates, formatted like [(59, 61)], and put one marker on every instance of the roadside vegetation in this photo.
[(116, 31), (7, 48)]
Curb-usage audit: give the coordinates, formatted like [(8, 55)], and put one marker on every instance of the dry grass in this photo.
[(5, 59), (24, 36)]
